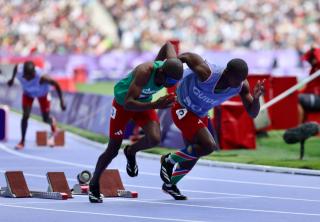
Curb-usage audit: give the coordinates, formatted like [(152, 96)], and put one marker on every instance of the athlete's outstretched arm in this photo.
[(141, 76), (167, 51), (196, 64), (14, 73), (251, 102), (48, 80)]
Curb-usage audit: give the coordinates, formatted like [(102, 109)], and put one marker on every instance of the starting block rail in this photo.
[(17, 188), (110, 186)]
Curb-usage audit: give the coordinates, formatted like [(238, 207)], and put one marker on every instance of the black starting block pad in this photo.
[(17, 188)]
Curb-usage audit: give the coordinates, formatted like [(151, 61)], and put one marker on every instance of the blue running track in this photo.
[(215, 194)]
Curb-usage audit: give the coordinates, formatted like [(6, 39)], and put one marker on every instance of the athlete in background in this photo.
[(35, 85)]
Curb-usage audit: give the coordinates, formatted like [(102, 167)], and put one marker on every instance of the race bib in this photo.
[(181, 113), (113, 112)]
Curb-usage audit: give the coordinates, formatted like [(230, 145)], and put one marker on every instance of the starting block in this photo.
[(82, 187), (111, 185), (17, 188), (43, 138), (58, 183)]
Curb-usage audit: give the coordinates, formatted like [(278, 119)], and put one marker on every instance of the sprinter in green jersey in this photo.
[(133, 101)]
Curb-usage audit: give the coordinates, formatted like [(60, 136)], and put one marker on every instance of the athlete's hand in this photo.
[(165, 102), (258, 89), (63, 106), (10, 82)]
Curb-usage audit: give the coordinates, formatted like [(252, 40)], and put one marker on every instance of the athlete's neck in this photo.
[(222, 83)]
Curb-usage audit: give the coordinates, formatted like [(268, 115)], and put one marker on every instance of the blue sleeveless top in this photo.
[(199, 97), (32, 88)]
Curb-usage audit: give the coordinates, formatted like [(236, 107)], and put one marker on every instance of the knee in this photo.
[(154, 139), (25, 117), (209, 146), (46, 118)]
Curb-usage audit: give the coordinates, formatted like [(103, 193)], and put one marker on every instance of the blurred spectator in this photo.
[(63, 26), (310, 97), (38, 26), (221, 24)]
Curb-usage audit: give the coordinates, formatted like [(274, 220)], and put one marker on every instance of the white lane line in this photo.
[(164, 203), (223, 208), (100, 214), (195, 191), (84, 166), (205, 198), (46, 202), (107, 200), (229, 194), (44, 159)]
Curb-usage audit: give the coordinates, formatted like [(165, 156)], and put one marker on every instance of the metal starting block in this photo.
[(44, 138), (111, 185), (17, 188), (79, 189), (127, 194), (58, 183)]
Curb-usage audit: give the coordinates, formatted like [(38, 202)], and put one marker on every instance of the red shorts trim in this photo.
[(187, 121), (44, 102), (120, 117)]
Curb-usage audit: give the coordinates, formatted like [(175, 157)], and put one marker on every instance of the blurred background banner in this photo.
[(89, 111), (115, 65)]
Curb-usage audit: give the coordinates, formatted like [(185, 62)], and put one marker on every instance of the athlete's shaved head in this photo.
[(173, 68), (237, 71), (29, 69)]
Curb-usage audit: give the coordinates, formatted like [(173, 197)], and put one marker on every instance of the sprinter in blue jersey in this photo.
[(203, 87), (35, 85)]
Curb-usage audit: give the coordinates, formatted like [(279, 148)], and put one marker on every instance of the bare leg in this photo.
[(152, 138), (105, 159)]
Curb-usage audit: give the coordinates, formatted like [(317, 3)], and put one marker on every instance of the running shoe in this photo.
[(173, 191), (132, 167)]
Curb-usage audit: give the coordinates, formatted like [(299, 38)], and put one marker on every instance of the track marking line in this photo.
[(100, 214), (23, 155), (195, 191), (85, 166), (224, 208), (229, 194)]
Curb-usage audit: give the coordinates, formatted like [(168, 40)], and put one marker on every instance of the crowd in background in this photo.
[(220, 24), (63, 26), (48, 27)]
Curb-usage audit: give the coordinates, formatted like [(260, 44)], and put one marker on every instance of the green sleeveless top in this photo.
[(121, 88)]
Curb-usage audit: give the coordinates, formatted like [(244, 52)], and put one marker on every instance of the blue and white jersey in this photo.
[(32, 88), (199, 97)]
